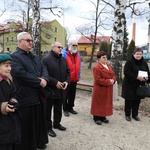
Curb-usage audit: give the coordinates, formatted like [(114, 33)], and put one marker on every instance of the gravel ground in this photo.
[(83, 134)]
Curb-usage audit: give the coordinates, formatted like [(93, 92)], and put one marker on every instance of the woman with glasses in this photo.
[(102, 96)]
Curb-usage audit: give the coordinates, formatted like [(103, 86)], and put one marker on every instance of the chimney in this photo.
[(134, 31)]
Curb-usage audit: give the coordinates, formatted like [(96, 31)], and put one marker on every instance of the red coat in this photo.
[(73, 62), (102, 95)]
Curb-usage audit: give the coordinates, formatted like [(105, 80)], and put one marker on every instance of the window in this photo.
[(55, 39), (12, 39), (48, 34), (7, 49), (55, 30), (7, 39)]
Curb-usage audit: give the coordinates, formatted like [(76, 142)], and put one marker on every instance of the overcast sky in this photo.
[(73, 18)]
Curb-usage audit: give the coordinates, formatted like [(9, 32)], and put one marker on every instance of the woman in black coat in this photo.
[(10, 127), (132, 80)]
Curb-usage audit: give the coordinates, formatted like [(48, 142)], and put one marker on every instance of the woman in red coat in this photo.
[(102, 96)]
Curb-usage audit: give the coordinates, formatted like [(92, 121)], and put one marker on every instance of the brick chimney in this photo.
[(134, 31)]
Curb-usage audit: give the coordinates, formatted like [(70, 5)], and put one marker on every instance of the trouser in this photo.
[(132, 106), (56, 104), (43, 137), (68, 103), (6, 147), (30, 128)]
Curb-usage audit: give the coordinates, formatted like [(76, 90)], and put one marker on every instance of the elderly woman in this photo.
[(132, 79), (104, 78)]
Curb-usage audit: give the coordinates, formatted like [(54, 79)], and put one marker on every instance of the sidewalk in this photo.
[(83, 134)]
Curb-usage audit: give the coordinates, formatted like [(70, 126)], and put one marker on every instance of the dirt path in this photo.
[(83, 134)]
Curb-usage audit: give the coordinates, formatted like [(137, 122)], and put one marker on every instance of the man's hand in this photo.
[(59, 85), (43, 82), (65, 85)]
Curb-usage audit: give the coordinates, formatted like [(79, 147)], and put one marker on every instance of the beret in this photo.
[(4, 57)]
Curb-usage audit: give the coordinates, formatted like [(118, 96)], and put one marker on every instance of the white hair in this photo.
[(72, 41), (21, 35)]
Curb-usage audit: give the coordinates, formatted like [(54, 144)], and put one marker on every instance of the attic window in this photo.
[(55, 30)]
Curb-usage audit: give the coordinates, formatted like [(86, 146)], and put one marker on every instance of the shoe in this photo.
[(59, 127), (105, 121), (42, 147), (73, 111), (51, 133), (98, 122), (128, 118), (136, 118), (66, 113)]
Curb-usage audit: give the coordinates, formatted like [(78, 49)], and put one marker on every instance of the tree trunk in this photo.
[(36, 27), (119, 25)]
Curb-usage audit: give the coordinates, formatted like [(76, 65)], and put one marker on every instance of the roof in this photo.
[(7, 27), (88, 39)]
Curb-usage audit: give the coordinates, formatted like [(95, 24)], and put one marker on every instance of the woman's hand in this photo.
[(112, 81), (141, 78)]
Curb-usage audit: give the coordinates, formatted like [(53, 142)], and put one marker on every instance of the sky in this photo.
[(74, 17)]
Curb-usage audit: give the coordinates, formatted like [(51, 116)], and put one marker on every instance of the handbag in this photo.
[(143, 91)]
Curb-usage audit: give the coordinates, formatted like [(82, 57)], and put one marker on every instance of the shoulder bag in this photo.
[(143, 91)]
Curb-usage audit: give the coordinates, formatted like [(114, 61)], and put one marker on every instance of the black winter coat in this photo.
[(10, 127), (130, 83), (58, 71), (26, 70)]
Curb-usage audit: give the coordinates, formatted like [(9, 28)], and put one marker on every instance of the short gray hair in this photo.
[(53, 44), (20, 36)]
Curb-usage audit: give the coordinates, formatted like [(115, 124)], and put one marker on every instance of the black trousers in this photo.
[(56, 105), (68, 103), (43, 137), (6, 147), (30, 128), (132, 107)]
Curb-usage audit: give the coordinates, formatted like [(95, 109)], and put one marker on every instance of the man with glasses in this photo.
[(59, 78), (29, 76), (72, 57)]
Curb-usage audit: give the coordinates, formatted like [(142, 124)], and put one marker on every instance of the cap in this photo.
[(4, 57)]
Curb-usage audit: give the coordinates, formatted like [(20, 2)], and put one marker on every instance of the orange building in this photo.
[(85, 44)]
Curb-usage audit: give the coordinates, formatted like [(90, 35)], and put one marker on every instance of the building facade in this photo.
[(85, 44), (50, 31)]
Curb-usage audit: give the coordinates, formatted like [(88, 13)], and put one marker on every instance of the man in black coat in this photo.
[(59, 78), (29, 76)]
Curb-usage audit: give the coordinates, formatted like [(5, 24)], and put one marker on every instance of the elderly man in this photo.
[(29, 76), (59, 77), (72, 57)]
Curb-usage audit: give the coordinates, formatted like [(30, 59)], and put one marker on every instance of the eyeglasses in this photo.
[(59, 47), (28, 40), (74, 45), (104, 57)]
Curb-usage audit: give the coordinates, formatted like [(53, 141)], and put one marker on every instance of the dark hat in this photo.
[(4, 57)]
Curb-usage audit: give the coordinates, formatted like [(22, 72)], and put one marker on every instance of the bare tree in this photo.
[(36, 27), (99, 21)]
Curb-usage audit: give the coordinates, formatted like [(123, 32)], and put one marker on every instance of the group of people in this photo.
[(31, 88)]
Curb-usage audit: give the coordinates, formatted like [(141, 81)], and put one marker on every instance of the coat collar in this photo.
[(21, 51), (7, 80)]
